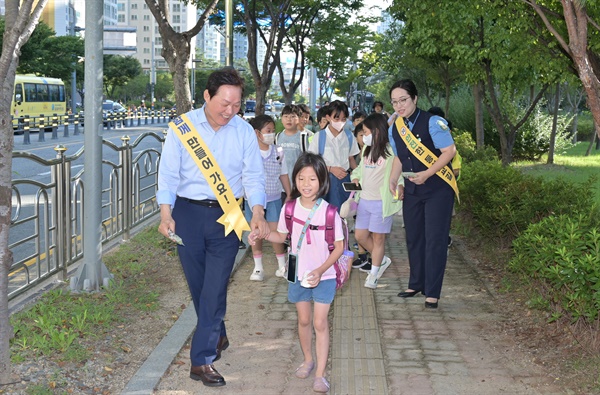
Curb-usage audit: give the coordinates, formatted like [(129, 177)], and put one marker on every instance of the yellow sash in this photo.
[(423, 153), (232, 218)]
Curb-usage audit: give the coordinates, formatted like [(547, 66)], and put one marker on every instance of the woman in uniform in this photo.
[(423, 143)]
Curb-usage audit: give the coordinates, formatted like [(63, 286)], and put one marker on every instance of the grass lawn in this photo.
[(570, 164)]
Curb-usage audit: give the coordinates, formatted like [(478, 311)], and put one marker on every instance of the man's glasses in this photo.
[(401, 101)]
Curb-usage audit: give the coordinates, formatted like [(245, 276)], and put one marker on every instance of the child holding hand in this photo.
[(310, 255)]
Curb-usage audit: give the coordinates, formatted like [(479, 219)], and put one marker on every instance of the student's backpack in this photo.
[(343, 264), (323, 139), (303, 140)]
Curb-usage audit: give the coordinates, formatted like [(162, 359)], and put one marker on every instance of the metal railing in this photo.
[(47, 217)]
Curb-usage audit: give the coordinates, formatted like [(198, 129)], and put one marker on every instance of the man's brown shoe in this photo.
[(208, 375), (221, 345)]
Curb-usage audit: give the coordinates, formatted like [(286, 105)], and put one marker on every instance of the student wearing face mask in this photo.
[(376, 205), (276, 178), (338, 147)]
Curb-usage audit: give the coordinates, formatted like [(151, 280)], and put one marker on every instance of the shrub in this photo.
[(466, 147), (562, 254), (585, 126), (533, 138), (503, 201)]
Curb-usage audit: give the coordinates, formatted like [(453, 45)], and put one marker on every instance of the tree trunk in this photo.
[(479, 132), (577, 26), (177, 49), (575, 123), (588, 152), (20, 22), (554, 125)]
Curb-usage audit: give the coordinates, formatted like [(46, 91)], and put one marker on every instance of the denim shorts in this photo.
[(271, 211), (369, 216), (322, 293)]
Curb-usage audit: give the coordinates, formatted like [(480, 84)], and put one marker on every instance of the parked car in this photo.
[(250, 106), (109, 107), (268, 107)]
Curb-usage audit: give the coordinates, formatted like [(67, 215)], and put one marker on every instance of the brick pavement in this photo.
[(381, 344)]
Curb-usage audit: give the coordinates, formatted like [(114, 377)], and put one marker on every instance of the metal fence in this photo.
[(47, 217)]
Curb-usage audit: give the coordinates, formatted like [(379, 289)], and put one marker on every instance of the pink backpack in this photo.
[(343, 264)]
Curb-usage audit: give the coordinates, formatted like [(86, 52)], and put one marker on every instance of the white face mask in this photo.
[(268, 138), (368, 140), (337, 125)]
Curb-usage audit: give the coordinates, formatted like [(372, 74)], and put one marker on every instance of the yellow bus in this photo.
[(35, 96)]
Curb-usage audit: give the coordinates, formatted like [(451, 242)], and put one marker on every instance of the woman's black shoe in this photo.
[(408, 294), (431, 305)]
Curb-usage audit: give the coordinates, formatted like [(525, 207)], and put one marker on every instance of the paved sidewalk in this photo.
[(380, 343)]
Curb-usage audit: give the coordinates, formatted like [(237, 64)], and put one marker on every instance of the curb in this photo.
[(145, 380)]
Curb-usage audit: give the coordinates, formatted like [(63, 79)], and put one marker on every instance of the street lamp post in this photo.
[(72, 31)]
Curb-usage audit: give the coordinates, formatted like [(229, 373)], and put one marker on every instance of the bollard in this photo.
[(139, 117), (67, 120), (76, 121), (54, 127), (146, 117), (26, 131), (41, 129)]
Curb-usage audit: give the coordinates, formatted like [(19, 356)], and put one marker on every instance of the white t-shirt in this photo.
[(337, 149)]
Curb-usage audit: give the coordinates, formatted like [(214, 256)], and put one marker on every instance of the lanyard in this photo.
[(305, 228)]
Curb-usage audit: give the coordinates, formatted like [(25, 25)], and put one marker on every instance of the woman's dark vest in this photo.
[(409, 162)]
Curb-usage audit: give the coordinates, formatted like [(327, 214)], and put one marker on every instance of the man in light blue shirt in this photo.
[(189, 208)]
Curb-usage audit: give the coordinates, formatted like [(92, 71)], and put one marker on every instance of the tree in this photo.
[(334, 49), (48, 55), (493, 42), (176, 48), (573, 17), (118, 70), (306, 18), (21, 20), (267, 21)]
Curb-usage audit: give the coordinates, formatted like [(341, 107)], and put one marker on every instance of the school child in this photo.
[(276, 176), (291, 139), (363, 262), (357, 118), (304, 120), (376, 205), (315, 279), (338, 147), (321, 119)]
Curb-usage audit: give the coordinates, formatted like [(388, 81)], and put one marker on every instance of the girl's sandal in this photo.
[(320, 385), (304, 370)]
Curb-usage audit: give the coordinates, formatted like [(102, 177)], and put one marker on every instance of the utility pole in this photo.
[(92, 274), (229, 32)]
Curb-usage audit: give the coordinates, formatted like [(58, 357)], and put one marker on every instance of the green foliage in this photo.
[(533, 139), (60, 322), (118, 70), (466, 147), (49, 55), (504, 202), (562, 254), (585, 126)]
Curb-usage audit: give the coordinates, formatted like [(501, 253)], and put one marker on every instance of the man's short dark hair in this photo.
[(224, 76)]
